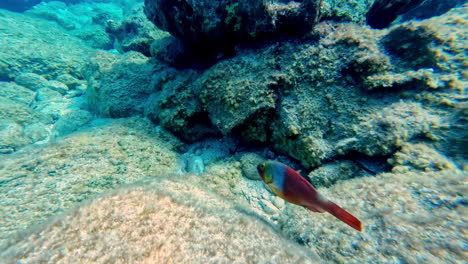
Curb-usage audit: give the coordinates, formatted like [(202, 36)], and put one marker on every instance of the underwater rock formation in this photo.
[(134, 33), (383, 12), (430, 8), (86, 21), (341, 90), (210, 27), (18, 5), (159, 222), (345, 10), (41, 181), (414, 217), (118, 85), (41, 80), (49, 41)]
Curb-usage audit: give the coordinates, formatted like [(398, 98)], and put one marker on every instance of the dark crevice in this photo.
[(372, 164)]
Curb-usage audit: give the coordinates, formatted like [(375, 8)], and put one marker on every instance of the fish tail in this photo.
[(344, 216)]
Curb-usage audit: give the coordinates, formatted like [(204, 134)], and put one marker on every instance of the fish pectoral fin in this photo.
[(313, 208)]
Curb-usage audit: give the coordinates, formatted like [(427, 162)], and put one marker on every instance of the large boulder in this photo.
[(213, 26), (118, 85), (161, 221)]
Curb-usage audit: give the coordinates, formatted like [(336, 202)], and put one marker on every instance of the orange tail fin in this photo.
[(344, 216)]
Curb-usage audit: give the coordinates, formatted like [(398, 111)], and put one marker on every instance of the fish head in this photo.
[(266, 177)]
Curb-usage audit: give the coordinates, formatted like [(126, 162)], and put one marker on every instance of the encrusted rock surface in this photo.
[(96, 159), (159, 222), (55, 52), (216, 26), (118, 85)]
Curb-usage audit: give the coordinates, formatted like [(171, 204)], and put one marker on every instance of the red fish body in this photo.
[(292, 187)]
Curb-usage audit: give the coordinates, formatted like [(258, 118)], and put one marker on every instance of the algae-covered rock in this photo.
[(135, 32), (176, 106), (20, 113), (345, 10), (343, 89), (330, 173), (383, 12), (118, 86), (419, 157), (239, 90), (72, 121), (55, 52), (18, 5), (249, 163), (210, 27), (70, 81), (31, 81), (158, 222), (412, 218), (11, 136), (86, 21), (17, 93), (46, 95), (41, 181), (381, 132)]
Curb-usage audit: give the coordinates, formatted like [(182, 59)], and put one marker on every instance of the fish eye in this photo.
[(261, 168)]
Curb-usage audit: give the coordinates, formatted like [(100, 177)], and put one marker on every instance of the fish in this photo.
[(288, 184)]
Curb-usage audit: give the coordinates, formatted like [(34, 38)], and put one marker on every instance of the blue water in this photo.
[(120, 143)]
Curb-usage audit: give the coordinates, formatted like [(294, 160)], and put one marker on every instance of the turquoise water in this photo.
[(120, 143)]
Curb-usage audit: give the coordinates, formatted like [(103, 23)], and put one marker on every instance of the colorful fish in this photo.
[(292, 187)]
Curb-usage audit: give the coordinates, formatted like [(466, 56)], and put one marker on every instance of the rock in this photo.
[(193, 226), (118, 86), (71, 121), (20, 113), (95, 36), (343, 90), (18, 5), (57, 86), (69, 81), (36, 132), (171, 51), (390, 127), (383, 12), (238, 91), (135, 32), (383, 204), (11, 137), (59, 107), (211, 27), (194, 164), (419, 157), (259, 198), (176, 106), (330, 173), (59, 52), (414, 45), (430, 8), (31, 81), (40, 181), (249, 162), (345, 10), (17, 93), (48, 95)]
